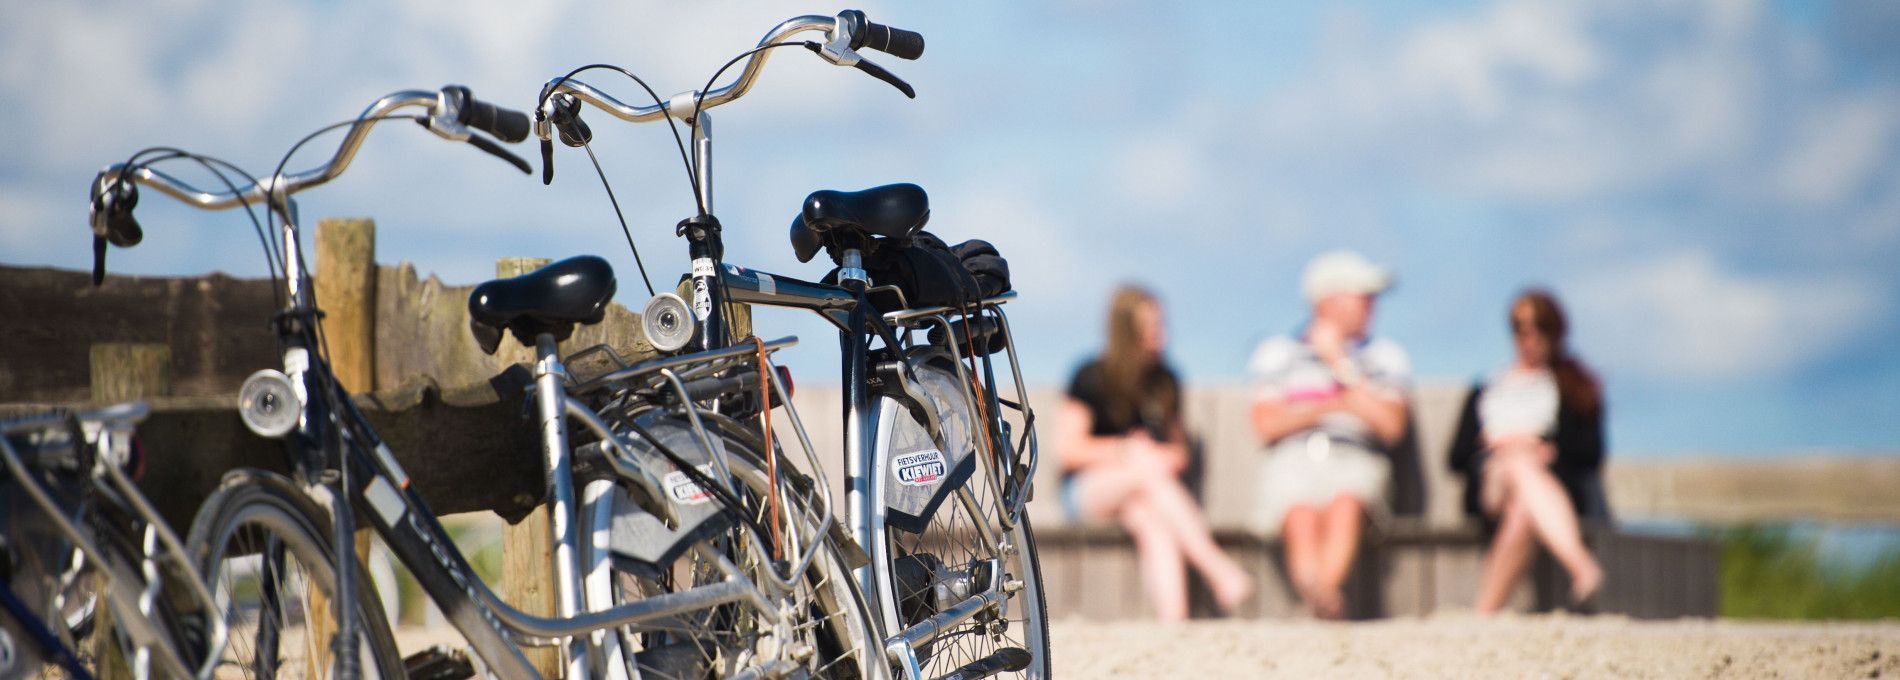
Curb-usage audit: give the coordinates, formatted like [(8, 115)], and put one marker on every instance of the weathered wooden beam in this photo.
[(1821, 488)]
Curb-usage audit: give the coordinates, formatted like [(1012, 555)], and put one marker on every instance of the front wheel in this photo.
[(264, 550)]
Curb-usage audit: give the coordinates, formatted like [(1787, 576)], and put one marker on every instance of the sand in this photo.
[(1464, 646)]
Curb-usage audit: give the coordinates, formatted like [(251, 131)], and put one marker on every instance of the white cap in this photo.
[(1343, 271)]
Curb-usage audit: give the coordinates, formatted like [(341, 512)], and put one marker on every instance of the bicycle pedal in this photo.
[(438, 663), (1005, 660)]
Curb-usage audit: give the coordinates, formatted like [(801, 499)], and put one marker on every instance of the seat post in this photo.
[(551, 407)]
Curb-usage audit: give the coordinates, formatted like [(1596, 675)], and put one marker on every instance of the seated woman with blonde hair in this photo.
[(1123, 449)]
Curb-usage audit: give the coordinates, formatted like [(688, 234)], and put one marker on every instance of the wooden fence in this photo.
[(471, 454)]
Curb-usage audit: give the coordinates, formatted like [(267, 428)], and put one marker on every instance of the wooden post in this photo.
[(527, 563), (346, 290), (123, 371)]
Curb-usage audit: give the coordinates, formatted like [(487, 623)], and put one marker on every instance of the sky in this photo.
[(1712, 187)]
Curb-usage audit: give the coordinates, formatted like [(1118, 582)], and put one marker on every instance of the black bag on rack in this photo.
[(928, 272), (985, 264)]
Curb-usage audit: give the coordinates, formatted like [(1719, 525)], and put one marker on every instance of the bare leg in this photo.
[(1340, 527), (1511, 552), (1301, 535), (1535, 488), (1162, 571), (1171, 502)]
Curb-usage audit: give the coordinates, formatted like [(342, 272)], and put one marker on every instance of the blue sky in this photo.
[(1714, 187)]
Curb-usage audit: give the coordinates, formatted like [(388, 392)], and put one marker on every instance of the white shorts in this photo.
[(1312, 469)]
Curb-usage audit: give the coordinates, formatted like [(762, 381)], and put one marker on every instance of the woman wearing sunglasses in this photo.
[(1530, 444)]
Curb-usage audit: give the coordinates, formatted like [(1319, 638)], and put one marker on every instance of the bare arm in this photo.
[(1274, 419), (1080, 449), (1384, 415)]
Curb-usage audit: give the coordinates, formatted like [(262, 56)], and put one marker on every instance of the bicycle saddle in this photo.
[(552, 299), (891, 211)]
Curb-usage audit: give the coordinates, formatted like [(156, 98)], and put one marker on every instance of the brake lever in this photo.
[(848, 57), (878, 72), (98, 261), (547, 162), (495, 150)]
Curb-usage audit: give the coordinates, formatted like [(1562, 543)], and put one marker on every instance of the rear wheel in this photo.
[(264, 549), (826, 622), (953, 559)]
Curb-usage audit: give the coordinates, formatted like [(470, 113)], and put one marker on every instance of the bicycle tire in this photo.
[(835, 618), (935, 554), (232, 534), (937, 565)]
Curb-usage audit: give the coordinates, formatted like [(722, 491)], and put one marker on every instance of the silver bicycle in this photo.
[(706, 563), (94, 578), (938, 462)]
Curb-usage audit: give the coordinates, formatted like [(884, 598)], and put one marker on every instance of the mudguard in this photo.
[(922, 471), (640, 534)]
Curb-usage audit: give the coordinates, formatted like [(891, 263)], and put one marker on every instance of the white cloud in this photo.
[(1683, 316), (1838, 149), (1159, 169)]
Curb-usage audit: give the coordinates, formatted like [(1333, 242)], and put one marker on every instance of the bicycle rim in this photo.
[(828, 618), (945, 564), (263, 549)]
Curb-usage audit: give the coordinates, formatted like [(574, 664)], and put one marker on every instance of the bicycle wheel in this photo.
[(947, 563), (264, 549), (827, 621), (941, 558)]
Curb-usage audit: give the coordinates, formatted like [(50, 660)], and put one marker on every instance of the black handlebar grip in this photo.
[(896, 42), (505, 124)]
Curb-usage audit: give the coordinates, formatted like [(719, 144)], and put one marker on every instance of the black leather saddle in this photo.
[(552, 299), (892, 211)]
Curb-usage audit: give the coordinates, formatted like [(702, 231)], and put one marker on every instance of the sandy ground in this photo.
[(1455, 646), (1463, 646)]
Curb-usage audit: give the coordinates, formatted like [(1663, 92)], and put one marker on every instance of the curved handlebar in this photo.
[(682, 104), (284, 185)]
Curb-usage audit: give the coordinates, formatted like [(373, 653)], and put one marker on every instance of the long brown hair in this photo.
[(1576, 385), (1130, 376)]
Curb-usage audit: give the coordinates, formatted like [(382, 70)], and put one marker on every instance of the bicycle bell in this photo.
[(268, 404)]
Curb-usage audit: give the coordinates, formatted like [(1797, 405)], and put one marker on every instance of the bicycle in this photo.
[(288, 542), (79, 540), (943, 577)]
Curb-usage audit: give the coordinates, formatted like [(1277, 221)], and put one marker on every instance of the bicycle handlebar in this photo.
[(447, 119), (453, 110), (844, 34)]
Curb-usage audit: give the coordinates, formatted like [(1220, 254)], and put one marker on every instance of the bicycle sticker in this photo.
[(921, 468), (684, 490), (767, 285), (383, 499)]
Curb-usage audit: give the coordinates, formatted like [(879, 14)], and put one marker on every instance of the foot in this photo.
[(1327, 604), (1585, 583), (1232, 590)]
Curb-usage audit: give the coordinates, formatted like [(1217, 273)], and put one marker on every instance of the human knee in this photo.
[(1345, 503)]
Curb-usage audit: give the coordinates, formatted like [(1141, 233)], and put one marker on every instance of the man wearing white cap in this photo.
[(1328, 404)]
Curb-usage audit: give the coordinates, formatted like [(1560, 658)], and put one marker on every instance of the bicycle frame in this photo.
[(867, 430), (335, 453), (132, 591)]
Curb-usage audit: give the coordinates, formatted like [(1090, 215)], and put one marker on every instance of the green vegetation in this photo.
[(1771, 573)]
